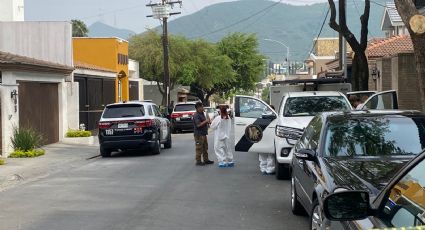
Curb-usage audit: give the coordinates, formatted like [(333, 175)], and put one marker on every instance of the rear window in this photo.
[(184, 108), (120, 111), (310, 106)]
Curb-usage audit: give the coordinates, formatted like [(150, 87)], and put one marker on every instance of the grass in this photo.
[(78, 133), (27, 154)]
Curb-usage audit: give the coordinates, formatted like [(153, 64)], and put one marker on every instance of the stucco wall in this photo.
[(9, 117), (48, 41), (11, 10)]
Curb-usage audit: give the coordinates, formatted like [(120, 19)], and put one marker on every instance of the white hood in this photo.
[(295, 122)]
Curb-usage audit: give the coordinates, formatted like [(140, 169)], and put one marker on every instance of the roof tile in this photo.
[(390, 46)]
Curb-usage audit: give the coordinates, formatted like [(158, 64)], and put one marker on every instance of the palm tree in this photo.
[(79, 28)]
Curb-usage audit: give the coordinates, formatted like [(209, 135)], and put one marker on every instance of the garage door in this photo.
[(134, 90), (39, 109)]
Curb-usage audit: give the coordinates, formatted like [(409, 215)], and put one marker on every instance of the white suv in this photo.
[(296, 111)]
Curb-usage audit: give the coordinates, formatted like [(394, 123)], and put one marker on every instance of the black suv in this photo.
[(133, 125), (357, 150)]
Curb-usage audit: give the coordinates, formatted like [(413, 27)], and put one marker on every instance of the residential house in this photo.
[(37, 90), (135, 82), (11, 10)]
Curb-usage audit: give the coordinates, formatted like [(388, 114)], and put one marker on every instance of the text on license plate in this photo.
[(122, 125), (109, 132)]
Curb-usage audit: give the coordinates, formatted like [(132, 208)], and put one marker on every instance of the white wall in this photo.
[(9, 117), (48, 41), (11, 10)]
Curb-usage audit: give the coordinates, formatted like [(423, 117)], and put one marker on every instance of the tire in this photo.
[(169, 142), (105, 152), (173, 130), (282, 172), (297, 208), (316, 216), (156, 149)]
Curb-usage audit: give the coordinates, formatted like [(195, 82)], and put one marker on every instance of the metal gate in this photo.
[(134, 90), (39, 109), (95, 94)]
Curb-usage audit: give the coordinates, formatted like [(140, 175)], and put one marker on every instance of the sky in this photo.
[(126, 14)]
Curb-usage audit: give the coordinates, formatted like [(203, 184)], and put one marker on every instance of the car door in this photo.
[(382, 100), (163, 123), (254, 125)]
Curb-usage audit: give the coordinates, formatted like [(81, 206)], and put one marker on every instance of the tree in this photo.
[(146, 48), (360, 71), (415, 24), (209, 72), (247, 62), (79, 28)]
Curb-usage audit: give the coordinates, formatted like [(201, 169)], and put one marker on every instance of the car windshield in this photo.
[(310, 106), (375, 136), (184, 108), (120, 111)]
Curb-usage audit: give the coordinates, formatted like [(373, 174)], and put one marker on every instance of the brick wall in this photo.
[(386, 78), (407, 81)]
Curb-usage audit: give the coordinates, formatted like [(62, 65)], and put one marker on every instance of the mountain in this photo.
[(99, 29), (295, 26)]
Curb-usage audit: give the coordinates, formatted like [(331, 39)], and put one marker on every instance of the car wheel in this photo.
[(296, 206), (282, 172), (169, 142), (173, 130), (105, 152), (156, 149), (316, 217)]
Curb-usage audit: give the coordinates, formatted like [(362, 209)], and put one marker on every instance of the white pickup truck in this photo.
[(260, 129)]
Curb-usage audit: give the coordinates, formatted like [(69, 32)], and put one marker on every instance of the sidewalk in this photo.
[(58, 157)]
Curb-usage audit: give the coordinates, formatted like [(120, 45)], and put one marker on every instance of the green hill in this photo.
[(296, 26)]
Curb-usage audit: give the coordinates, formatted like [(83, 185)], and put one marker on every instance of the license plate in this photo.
[(109, 132), (178, 119), (122, 125), (186, 115)]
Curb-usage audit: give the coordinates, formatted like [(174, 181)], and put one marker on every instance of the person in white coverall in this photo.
[(267, 160), (222, 126)]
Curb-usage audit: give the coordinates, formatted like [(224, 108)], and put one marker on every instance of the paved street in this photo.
[(141, 191)]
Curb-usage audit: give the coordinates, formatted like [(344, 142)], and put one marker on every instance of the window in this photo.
[(405, 206), (311, 136), (150, 111), (252, 108), (120, 111), (310, 106), (184, 108), (156, 111), (375, 136)]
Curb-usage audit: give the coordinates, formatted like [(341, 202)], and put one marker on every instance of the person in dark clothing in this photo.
[(200, 123)]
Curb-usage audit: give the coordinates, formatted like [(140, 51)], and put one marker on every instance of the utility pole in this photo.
[(342, 41), (162, 12)]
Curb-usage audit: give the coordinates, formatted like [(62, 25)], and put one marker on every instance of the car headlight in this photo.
[(288, 132)]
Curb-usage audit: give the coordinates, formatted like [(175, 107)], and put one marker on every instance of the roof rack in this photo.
[(311, 81)]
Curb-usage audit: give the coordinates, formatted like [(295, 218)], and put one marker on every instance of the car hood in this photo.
[(295, 122), (363, 173)]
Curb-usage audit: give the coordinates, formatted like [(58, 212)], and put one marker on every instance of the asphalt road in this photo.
[(142, 191)]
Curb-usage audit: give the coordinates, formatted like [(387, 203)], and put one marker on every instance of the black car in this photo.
[(133, 125), (181, 118), (401, 204), (357, 150)]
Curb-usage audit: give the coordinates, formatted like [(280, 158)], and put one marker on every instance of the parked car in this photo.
[(181, 118), (401, 204), (296, 111), (210, 112), (133, 125), (352, 150)]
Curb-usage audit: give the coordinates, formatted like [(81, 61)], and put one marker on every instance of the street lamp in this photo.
[(287, 51)]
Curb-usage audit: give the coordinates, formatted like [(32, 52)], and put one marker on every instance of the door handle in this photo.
[(239, 123)]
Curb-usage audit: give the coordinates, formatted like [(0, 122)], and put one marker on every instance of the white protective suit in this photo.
[(267, 163), (222, 146)]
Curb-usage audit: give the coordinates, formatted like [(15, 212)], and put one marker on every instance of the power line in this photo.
[(238, 22), (320, 32)]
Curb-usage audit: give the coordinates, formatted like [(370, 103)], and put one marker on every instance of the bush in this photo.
[(27, 154), (2, 162), (25, 139), (78, 133)]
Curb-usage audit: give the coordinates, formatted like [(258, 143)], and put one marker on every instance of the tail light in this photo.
[(176, 115), (144, 123), (104, 125)]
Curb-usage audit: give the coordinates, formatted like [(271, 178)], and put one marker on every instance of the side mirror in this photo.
[(269, 116), (306, 154), (347, 206)]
